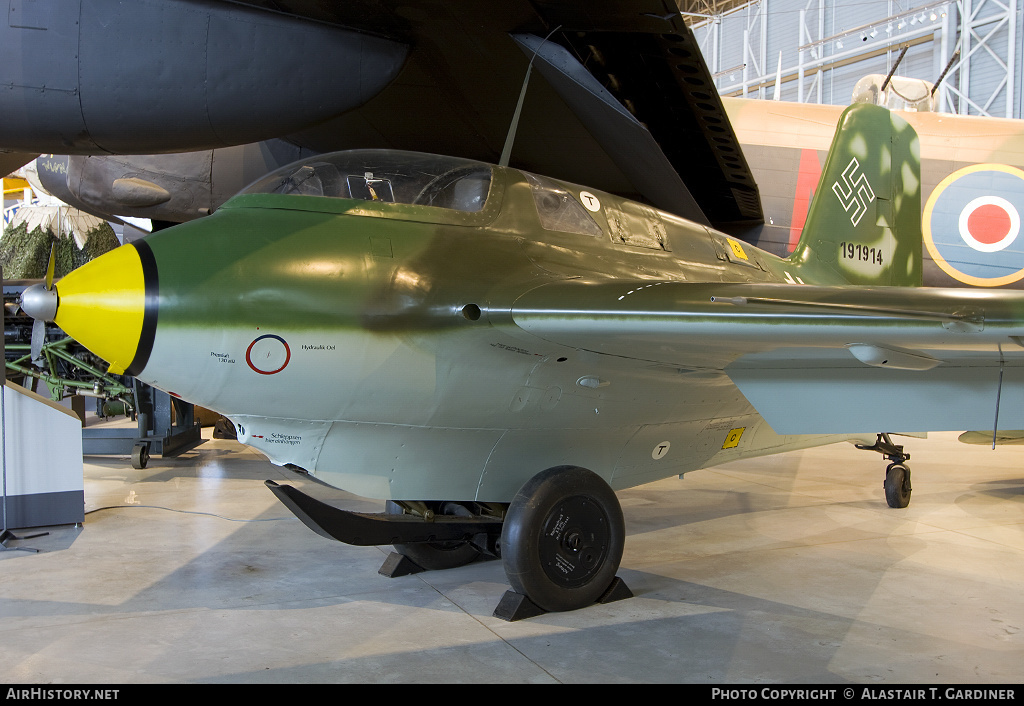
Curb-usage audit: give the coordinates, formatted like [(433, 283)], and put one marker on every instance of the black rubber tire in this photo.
[(435, 556), (897, 486), (562, 539), (140, 455)]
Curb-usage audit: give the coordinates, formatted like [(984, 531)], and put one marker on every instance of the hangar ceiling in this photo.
[(820, 49), (709, 7)]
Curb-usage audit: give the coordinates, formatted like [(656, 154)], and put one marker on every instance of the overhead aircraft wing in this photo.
[(810, 359), (9, 161), (620, 98)]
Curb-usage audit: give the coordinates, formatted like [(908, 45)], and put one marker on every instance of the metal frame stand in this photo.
[(166, 427)]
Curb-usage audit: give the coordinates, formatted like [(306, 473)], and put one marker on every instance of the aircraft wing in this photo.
[(810, 359), (9, 161), (619, 98)]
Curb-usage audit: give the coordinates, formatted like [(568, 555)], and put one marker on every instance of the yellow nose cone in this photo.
[(102, 305)]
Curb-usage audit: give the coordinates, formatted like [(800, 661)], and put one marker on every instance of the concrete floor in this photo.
[(789, 569)]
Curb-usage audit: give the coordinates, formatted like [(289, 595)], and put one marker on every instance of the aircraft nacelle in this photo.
[(171, 187), (102, 76)]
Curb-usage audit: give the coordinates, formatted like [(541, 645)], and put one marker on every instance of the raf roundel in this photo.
[(989, 223), (971, 225)]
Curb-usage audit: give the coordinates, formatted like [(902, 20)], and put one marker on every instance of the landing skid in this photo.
[(366, 529)]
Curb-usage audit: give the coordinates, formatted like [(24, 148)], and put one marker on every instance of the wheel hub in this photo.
[(574, 542)]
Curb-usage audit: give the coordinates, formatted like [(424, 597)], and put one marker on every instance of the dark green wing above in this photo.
[(457, 94)]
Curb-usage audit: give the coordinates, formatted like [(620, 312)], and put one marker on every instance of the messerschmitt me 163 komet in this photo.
[(495, 352)]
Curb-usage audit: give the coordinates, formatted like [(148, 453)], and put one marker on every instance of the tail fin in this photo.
[(864, 223)]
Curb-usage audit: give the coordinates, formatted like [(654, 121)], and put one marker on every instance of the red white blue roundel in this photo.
[(972, 225)]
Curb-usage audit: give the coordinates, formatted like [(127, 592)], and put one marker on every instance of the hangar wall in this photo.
[(825, 46)]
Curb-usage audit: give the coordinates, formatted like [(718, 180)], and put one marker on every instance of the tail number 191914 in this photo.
[(856, 251)]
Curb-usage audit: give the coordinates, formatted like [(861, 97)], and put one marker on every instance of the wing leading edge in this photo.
[(811, 359)]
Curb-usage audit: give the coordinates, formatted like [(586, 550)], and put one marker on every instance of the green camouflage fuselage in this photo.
[(373, 344), (419, 327)]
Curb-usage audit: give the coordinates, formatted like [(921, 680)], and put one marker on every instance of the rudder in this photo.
[(864, 222)]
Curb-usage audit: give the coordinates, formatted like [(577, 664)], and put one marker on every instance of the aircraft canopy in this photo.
[(384, 175)]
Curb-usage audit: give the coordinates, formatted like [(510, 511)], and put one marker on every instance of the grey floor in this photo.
[(789, 569)]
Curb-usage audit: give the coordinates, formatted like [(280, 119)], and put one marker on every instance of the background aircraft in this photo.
[(496, 352), (972, 173)]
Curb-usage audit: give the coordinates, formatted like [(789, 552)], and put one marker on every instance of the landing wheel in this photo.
[(562, 540), (435, 556), (897, 485)]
